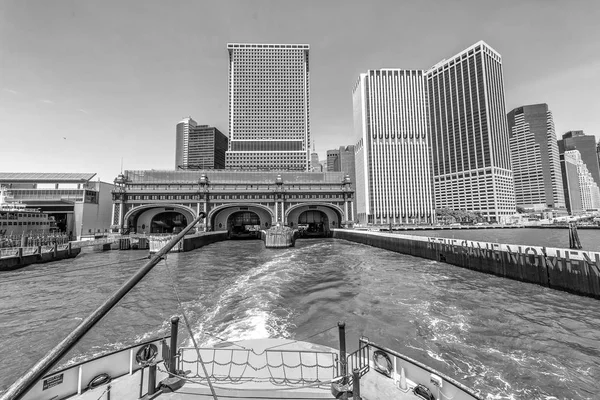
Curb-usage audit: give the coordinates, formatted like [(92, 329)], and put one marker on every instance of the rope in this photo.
[(28, 277), (317, 365), (187, 324), (317, 383)]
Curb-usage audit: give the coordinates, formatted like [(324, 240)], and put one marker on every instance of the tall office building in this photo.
[(343, 160), (333, 160), (199, 146), (598, 152), (206, 148), (570, 177), (182, 137), (269, 107), (315, 165), (586, 145), (581, 191), (393, 178), (534, 155), (469, 134)]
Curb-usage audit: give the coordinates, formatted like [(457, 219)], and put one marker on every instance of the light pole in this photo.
[(203, 193), (279, 199), (119, 194)]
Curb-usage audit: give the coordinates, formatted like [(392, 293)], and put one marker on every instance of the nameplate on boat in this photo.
[(53, 381)]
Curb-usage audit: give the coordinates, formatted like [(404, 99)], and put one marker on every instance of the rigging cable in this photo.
[(187, 324), (299, 340)]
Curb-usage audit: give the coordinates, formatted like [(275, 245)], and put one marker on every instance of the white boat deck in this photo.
[(263, 369)]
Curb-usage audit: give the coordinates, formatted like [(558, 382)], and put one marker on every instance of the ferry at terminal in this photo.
[(251, 369), (16, 218)]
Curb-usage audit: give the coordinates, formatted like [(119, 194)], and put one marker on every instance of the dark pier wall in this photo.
[(15, 262), (195, 242), (573, 271)]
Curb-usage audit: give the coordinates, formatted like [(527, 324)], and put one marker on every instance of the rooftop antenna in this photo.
[(121, 165)]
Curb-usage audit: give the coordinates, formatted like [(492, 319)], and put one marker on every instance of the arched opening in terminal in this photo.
[(243, 224), (313, 223), (168, 222)]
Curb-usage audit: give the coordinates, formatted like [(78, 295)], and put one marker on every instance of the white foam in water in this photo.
[(256, 291)]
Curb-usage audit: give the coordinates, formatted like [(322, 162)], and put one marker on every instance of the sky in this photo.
[(86, 84)]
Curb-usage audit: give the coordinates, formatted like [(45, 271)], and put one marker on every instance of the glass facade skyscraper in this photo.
[(469, 134), (534, 155), (182, 137), (199, 146), (269, 107), (585, 144), (393, 176)]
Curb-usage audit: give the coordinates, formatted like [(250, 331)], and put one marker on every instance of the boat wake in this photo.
[(251, 306)]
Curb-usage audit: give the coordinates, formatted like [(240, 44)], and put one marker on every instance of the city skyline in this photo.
[(92, 77)]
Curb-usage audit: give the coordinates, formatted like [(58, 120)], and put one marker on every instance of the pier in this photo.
[(19, 257), (574, 271)]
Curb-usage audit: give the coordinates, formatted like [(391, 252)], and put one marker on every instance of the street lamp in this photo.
[(203, 189), (119, 195), (279, 198)]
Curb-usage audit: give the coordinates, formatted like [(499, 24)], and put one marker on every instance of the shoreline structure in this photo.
[(574, 271)]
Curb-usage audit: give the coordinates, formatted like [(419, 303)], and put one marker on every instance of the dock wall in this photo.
[(573, 271), (195, 242), (15, 262)]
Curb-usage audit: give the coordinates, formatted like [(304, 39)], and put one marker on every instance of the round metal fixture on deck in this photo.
[(146, 354)]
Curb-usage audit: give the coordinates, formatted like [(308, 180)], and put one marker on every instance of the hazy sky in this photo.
[(84, 83)]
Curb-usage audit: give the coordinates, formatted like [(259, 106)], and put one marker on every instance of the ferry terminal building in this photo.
[(80, 204), (151, 201)]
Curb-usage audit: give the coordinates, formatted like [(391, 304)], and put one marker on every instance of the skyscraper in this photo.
[(534, 155), (393, 178), (583, 193), (598, 152), (199, 146), (343, 160), (315, 166), (469, 134), (269, 107), (570, 177), (586, 145), (206, 148), (333, 160), (182, 132)]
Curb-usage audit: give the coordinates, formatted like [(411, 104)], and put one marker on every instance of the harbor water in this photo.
[(509, 339)]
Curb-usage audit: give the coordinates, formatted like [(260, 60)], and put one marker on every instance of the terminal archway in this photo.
[(320, 218), (168, 222), (313, 223), (140, 219), (241, 224), (219, 217)]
